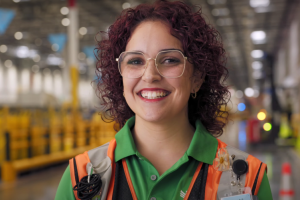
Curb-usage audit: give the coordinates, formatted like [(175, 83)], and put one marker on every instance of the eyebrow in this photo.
[(138, 51)]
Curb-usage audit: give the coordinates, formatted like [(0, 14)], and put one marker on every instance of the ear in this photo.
[(197, 82)]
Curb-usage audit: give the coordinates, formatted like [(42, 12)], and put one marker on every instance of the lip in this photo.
[(152, 89)]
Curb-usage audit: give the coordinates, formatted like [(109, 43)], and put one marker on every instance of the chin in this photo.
[(152, 116)]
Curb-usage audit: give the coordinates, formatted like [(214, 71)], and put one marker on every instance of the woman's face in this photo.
[(150, 38)]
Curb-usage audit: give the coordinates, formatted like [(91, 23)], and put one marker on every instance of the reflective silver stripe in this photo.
[(102, 165), (226, 177)]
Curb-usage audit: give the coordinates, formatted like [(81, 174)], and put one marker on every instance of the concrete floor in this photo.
[(42, 185)]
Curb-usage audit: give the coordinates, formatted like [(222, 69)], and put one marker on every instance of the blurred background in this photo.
[(49, 111)]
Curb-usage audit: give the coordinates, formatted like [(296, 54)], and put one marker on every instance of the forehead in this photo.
[(151, 37)]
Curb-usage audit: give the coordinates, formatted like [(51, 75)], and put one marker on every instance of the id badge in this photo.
[(238, 197)]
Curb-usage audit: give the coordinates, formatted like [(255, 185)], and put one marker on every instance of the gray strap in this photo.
[(226, 177), (102, 166)]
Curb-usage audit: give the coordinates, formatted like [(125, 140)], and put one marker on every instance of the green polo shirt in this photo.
[(173, 183)]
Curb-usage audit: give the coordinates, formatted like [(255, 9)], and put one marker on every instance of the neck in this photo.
[(170, 138)]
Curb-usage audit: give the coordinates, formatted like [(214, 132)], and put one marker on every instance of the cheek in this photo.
[(129, 85)]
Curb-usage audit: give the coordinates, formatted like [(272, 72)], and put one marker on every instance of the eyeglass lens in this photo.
[(169, 64)]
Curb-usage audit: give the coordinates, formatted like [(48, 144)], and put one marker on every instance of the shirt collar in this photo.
[(203, 146)]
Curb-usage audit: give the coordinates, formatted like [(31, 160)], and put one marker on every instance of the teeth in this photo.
[(153, 94)]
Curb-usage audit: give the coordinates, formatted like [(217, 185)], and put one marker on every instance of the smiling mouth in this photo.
[(154, 94)]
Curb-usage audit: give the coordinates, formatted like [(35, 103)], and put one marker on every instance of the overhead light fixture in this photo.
[(18, 35), (55, 47), (8, 63), (259, 3), (249, 92), (220, 12), (3, 48), (16, 1), (257, 74), (22, 51), (54, 60), (35, 68), (126, 5), (257, 65), (258, 37), (64, 10), (83, 31), (65, 22), (257, 54), (36, 58)]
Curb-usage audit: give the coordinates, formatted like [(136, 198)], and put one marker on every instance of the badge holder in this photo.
[(236, 168)]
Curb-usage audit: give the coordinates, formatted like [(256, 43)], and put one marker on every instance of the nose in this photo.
[(151, 74)]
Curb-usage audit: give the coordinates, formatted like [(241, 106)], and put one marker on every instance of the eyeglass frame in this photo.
[(156, 65)]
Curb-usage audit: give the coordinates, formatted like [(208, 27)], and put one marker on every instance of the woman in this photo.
[(162, 68)]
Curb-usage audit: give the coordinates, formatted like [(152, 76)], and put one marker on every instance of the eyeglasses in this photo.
[(169, 64)]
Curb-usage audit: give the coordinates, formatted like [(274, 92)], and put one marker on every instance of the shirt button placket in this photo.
[(153, 178)]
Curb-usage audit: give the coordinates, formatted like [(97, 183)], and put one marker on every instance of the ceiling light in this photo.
[(22, 51), (257, 74), (213, 2), (258, 37), (8, 63), (65, 22), (220, 12), (259, 3), (3, 48), (257, 54), (239, 94), (54, 60), (18, 35), (64, 10), (126, 5), (257, 65), (36, 58), (55, 47), (16, 1), (35, 68), (249, 92), (83, 31)]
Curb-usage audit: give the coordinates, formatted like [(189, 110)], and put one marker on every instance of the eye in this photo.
[(170, 61), (135, 61)]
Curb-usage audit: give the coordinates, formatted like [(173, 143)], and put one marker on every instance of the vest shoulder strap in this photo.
[(102, 159)]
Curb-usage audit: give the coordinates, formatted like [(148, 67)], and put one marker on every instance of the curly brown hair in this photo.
[(201, 44)]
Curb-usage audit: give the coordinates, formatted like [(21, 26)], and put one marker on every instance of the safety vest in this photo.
[(207, 182)]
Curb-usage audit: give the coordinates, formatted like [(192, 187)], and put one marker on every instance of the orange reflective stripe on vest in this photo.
[(255, 173), (193, 181), (81, 161)]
